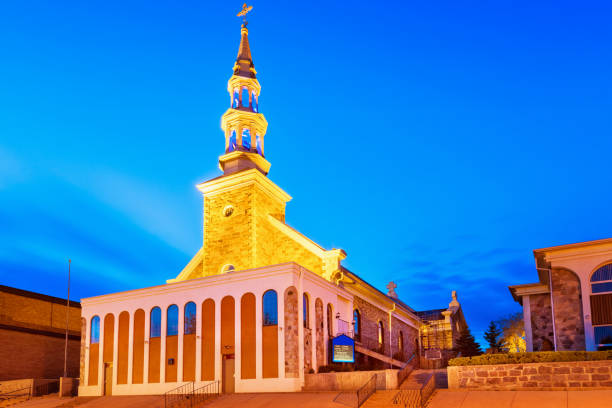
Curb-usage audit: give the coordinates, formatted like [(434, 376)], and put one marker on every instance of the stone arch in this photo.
[(291, 332), (320, 346), (568, 316)]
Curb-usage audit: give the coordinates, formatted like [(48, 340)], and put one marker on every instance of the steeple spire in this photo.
[(242, 123), (244, 66)]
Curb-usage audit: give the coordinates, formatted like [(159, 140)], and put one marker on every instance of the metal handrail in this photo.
[(49, 387), (418, 397), (366, 391), (10, 394), (203, 393), (406, 370), (178, 394)]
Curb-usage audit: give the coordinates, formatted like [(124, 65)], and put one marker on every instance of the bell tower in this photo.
[(244, 126)]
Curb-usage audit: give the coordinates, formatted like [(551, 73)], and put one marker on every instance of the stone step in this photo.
[(380, 399)]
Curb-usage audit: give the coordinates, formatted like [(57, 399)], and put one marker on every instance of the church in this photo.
[(258, 305)]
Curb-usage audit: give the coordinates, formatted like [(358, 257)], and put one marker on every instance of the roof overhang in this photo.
[(518, 291)]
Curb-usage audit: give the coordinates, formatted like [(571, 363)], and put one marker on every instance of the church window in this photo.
[(305, 314), (357, 324), (245, 97), (601, 281), (236, 99), (172, 322), (258, 142), (155, 322), (228, 210), (400, 343), (255, 103), (246, 138), (270, 308), (232, 141), (381, 335), (227, 268), (603, 337), (330, 320), (190, 318), (95, 330)]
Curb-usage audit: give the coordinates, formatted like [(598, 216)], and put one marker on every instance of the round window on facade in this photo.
[(228, 210)]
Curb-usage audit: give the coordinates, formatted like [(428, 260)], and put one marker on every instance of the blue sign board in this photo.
[(343, 349)]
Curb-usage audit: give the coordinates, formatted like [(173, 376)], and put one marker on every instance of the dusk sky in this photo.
[(437, 143)]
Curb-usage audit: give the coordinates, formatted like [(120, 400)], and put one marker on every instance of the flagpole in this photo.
[(67, 316)]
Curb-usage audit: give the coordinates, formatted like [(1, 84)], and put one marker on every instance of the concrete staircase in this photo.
[(415, 381)]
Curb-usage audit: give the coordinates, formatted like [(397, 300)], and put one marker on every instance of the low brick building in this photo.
[(570, 307), (32, 335)]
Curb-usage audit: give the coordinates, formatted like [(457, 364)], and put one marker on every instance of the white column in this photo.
[(162, 345), (218, 356), (325, 333), (258, 335), (147, 332), (115, 349), (312, 317), (130, 347), (237, 341), (589, 332), (527, 323), (181, 332), (101, 357), (87, 345), (281, 331), (198, 342), (300, 301)]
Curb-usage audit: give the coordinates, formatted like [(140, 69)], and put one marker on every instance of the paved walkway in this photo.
[(521, 399)]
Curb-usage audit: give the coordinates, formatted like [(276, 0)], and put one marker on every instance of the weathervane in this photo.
[(243, 12)]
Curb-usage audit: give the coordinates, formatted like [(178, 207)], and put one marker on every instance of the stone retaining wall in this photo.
[(349, 381), (533, 376)]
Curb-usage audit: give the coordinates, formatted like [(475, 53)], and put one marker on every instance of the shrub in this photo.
[(535, 357), (335, 367)]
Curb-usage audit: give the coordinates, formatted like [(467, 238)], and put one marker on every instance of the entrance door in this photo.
[(228, 374), (108, 378)]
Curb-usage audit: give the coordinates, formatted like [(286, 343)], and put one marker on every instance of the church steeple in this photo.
[(242, 123)]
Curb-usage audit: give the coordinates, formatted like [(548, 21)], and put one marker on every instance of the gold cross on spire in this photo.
[(244, 11)]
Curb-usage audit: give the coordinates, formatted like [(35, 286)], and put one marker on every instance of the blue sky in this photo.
[(437, 143)]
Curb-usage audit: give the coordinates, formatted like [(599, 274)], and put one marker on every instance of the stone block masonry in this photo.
[(533, 376)]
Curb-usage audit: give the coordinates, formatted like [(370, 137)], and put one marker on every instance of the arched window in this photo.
[(270, 308), (155, 322), (381, 335), (258, 142), (246, 138), (232, 141), (245, 97), (255, 103), (330, 321), (357, 324), (236, 99), (601, 312), (305, 312), (601, 280), (190, 318), (227, 268), (95, 330), (400, 343), (172, 322)]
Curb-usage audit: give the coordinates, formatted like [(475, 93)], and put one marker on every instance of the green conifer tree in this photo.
[(491, 335), (466, 344)]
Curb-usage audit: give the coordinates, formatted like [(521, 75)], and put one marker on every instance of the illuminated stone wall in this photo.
[(568, 310)]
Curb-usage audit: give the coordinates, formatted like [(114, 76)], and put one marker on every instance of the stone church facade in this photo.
[(258, 304), (570, 308)]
